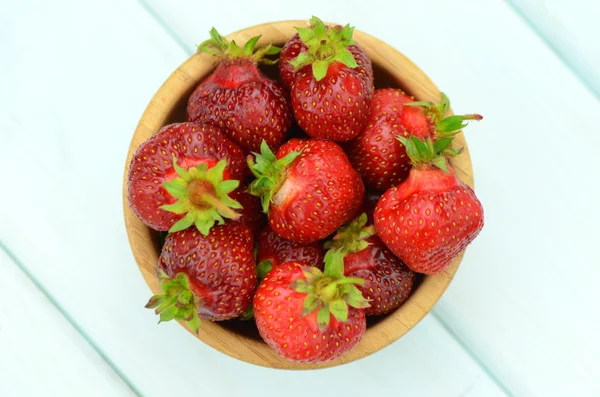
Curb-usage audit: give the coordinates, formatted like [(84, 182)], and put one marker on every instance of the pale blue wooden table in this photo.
[(521, 317)]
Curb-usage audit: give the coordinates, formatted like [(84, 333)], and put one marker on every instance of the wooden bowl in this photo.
[(392, 69)]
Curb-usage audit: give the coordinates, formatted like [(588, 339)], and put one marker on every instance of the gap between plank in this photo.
[(484, 367), (132, 387), (539, 29), (68, 317), (165, 26)]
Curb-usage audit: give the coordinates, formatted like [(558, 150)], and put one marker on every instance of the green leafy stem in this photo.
[(325, 46), (202, 195), (330, 292), (221, 47)]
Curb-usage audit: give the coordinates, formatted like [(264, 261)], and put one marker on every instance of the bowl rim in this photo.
[(143, 240)]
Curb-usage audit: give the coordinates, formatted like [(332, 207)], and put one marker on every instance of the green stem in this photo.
[(328, 293), (212, 200), (177, 301), (370, 230), (349, 280), (168, 302), (473, 116)]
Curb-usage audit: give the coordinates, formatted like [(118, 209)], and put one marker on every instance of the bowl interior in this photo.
[(241, 339)]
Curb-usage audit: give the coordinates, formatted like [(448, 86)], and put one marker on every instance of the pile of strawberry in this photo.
[(308, 234)]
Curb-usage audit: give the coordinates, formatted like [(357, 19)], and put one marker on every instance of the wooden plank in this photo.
[(570, 27), (40, 352), (65, 129), (519, 302)]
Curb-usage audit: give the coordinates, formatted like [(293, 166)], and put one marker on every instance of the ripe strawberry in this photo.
[(183, 175), (237, 97), (332, 82), (251, 213), (308, 190), (294, 46), (274, 250), (211, 277), (291, 49), (431, 217), (376, 153), (388, 282), (307, 315)]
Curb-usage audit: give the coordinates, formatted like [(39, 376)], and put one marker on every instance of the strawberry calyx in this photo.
[(435, 152), (219, 46), (202, 195), (177, 302), (445, 127), (427, 154), (326, 45), (352, 237), (330, 292), (270, 173)]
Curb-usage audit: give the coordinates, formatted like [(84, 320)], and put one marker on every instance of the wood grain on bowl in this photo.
[(392, 69)]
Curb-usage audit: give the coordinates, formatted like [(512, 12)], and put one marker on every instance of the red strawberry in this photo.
[(376, 153), (294, 46), (308, 190), (291, 49), (211, 277), (251, 212), (237, 97), (274, 250), (332, 86), (183, 175), (309, 316), (388, 282), (431, 217)]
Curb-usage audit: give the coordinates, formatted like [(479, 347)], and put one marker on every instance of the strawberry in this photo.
[(308, 190), (274, 250), (431, 217), (294, 46), (291, 49), (331, 85), (307, 315), (251, 212), (376, 153), (388, 282), (238, 98), (210, 277), (183, 175)]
